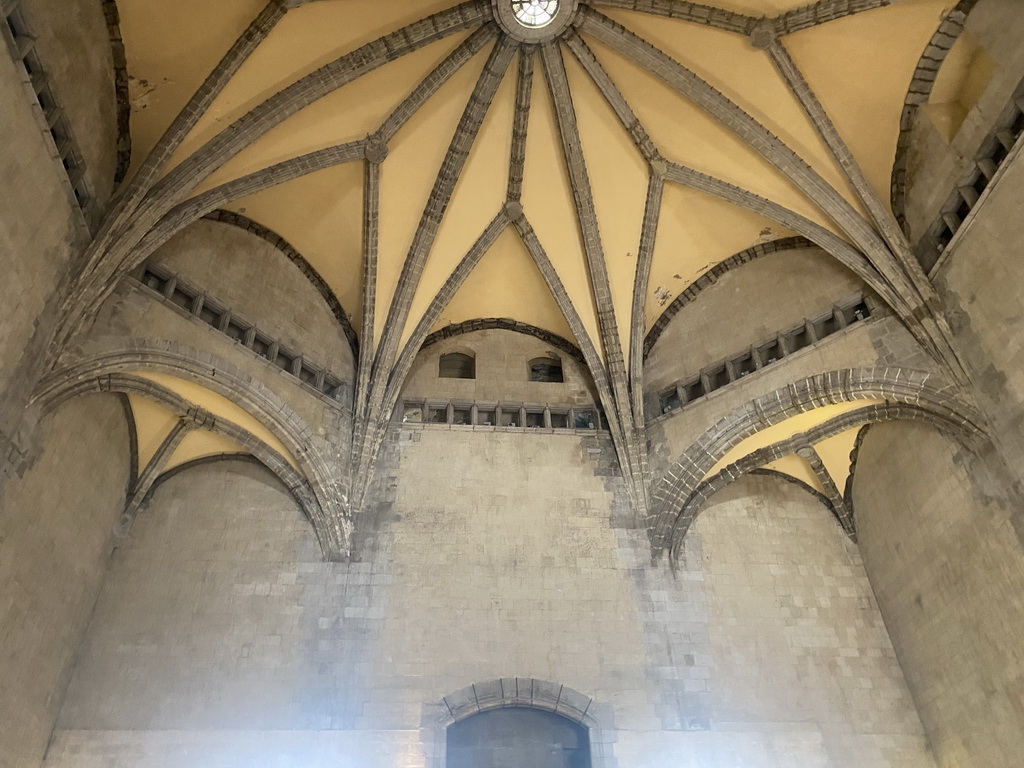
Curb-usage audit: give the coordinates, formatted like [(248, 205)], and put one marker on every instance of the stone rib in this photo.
[(97, 282), (759, 138), (842, 251), (705, 15), (197, 207), (142, 486), (433, 82), (520, 125), (437, 204), (183, 124), (586, 214), (385, 396), (641, 283), (371, 238), (822, 12), (906, 387)]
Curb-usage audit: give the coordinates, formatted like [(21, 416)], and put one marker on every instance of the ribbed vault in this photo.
[(412, 152)]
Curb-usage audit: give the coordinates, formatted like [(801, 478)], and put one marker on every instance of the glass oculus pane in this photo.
[(535, 13)]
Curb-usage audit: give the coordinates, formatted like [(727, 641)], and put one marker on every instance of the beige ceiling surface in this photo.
[(859, 67)]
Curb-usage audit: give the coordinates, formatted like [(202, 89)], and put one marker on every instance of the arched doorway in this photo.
[(517, 737)]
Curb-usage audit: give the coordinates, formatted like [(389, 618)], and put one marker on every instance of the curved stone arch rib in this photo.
[(730, 115), (254, 397), (124, 104), (822, 12), (705, 15), (128, 224), (921, 389), (308, 270), (918, 93), (524, 692), (241, 458), (756, 460), (711, 277), (505, 324), (293, 480)]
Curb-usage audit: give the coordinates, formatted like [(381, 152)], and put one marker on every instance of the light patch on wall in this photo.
[(798, 469), (835, 455), (201, 444), (786, 429), (152, 424), (962, 79), (221, 407)]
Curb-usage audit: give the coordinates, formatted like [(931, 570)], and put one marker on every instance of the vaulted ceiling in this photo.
[(858, 66)]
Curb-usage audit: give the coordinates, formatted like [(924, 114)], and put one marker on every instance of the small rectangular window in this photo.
[(153, 281), (412, 413), (718, 377), (437, 414), (826, 326), (743, 365), (209, 314), (182, 299), (694, 389), (485, 417), (856, 312), (284, 361), (462, 414), (509, 418), (584, 420), (535, 419), (236, 330), (669, 399), (261, 345), (797, 339), (559, 420), (307, 375)]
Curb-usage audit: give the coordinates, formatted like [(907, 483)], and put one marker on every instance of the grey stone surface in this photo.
[(949, 577), (56, 530)]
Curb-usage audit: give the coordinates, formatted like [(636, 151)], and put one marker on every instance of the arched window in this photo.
[(518, 737), (546, 369), (457, 365)]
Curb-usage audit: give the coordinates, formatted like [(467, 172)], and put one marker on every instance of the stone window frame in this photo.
[(522, 692), (552, 361), (465, 357)]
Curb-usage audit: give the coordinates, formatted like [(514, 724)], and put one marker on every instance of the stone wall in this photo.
[(948, 573), (934, 165), (56, 524), (257, 281), (220, 632), (746, 306), (73, 45), (502, 371), (981, 285), (40, 231)]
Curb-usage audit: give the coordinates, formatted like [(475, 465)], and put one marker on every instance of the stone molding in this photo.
[(923, 390), (322, 472), (521, 692)]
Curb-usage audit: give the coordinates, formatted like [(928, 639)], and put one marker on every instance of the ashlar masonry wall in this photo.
[(221, 638), (56, 528), (948, 571)]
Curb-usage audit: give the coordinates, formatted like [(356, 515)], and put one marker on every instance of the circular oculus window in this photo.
[(535, 13)]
